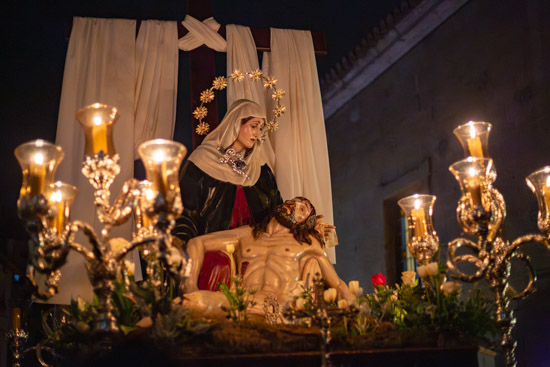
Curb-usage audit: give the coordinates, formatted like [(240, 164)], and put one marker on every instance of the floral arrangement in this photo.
[(240, 300), (436, 308)]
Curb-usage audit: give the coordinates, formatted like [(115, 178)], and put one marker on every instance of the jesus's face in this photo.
[(299, 209)]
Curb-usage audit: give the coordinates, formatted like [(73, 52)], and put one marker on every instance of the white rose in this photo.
[(330, 295), (130, 267), (353, 286), (408, 277), (82, 326), (117, 244), (422, 271), (449, 288), (80, 303), (174, 257), (432, 269), (342, 303), (145, 322), (300, 303)]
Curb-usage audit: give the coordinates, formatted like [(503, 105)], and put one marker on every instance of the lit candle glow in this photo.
[(474, 143), (473, 187), (419, 219), (16, 318), (546, 194), (37, 175), (160, 178), (99, 135), (58, 221)]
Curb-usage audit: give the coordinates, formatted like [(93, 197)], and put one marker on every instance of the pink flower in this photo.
[(378, 279)]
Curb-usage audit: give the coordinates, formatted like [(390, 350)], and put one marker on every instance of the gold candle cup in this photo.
[(162, 159), (61, 196), (97, 121), (474, 138), (472, 175), (39, 160), (419, 210)]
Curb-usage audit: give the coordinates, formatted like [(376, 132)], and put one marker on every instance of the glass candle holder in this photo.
[(143, 223), (162, 159), (61, 196), (419, 211), (97, 121), (423, 242), (474, 137), (39, 160), (539, 183), (473, 175)]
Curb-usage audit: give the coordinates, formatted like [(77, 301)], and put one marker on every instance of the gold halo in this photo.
[(237, 76)]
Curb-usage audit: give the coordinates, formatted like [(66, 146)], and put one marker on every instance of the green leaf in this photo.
[(127, 329)]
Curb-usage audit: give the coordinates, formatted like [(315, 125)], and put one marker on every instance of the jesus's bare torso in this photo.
[(272, 263)]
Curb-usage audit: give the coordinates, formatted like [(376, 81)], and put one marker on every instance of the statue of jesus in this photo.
[(272, 258)]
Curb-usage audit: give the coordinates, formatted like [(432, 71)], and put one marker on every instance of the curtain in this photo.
[(156, 81), (300, 143), (106, 64), (242, 55)]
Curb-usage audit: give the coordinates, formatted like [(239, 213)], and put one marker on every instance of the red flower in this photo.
[(378, 279)]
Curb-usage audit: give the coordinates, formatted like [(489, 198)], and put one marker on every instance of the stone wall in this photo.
[(490, 62)]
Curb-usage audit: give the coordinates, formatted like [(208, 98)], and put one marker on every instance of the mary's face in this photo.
[(249, 134)]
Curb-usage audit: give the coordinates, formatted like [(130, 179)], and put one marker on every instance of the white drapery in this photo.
[(242, 55), (156, 81), (103, 65), (300, 143), (201, 33)]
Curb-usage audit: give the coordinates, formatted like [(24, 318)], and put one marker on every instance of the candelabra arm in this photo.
[(51, 282), (535, 237), (479, 262), (121, 210), (529, 288), (134, 245), (96, 253)]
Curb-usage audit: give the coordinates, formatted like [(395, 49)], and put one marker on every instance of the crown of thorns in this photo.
[(237, 76)]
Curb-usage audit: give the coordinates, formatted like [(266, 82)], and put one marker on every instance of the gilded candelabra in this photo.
[(319, 312), (45, 206), (481, 211)]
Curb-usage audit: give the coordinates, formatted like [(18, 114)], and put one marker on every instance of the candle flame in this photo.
[(472, 129), (98, 120), (417, 204), (57, 196), (149, 194), (472, 172), (548, 181), (159, 156), (38, 158)]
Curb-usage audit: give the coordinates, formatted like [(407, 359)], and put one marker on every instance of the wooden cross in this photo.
[(202, 67)]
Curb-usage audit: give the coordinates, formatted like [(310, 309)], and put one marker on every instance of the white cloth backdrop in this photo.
[(300, 143), (201, 33), (102, 65), (156, 81), (242, 55)]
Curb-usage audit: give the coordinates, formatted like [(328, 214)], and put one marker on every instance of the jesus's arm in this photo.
[(328, 272), (215, 241)]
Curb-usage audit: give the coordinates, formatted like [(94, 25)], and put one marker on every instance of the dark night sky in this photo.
[(34, 47)]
